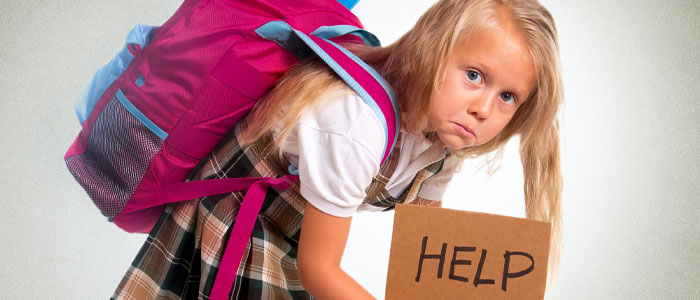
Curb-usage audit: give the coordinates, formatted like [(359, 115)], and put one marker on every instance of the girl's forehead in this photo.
[(496, 24), (494, 42)]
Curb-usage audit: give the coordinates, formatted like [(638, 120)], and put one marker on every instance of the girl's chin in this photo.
[(459, 147), (456, 142)]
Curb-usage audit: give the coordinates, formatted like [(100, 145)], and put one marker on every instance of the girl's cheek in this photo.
[(507, 109)]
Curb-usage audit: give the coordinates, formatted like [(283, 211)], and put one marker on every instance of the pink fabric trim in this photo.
[(180, 191), (241, 231), (141, 221), (134, 49), (79, 146), (368, 83)]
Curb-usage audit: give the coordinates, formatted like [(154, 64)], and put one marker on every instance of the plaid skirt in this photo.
[(180, 258)]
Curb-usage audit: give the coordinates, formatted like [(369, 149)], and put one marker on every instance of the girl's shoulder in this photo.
[(342, 112), (338, 137)]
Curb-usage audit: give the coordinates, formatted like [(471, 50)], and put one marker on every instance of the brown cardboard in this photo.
[(470, 235)]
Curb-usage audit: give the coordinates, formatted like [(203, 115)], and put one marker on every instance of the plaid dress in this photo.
[(180, 258)]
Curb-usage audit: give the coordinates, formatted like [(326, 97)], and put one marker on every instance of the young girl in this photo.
[(468, 76)]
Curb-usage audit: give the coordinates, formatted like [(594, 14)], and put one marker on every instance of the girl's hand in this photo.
[(321, 246)]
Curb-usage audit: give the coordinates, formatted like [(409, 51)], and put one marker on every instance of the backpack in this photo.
[(162, 104)]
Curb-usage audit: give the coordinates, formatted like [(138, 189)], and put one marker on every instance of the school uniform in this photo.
[(181, 256)]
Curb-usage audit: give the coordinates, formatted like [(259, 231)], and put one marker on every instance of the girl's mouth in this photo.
[(465, 131)]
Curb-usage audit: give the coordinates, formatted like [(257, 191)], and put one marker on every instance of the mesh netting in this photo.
[(119, 151)]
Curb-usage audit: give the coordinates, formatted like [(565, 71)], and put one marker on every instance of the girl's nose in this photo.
[(481, 106)]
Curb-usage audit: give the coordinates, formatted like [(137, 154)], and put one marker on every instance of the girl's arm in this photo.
[(426, 202), (321, 246)]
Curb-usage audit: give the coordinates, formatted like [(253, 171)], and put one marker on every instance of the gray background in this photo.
[(631, 158)]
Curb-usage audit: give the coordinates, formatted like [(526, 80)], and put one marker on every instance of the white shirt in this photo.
[(337, 146)]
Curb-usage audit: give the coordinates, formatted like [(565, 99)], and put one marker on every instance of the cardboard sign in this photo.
[(441, 253)]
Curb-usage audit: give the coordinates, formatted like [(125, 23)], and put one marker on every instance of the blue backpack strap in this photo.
[(364, 80), (341, 62), (329, 32), (348, 3)]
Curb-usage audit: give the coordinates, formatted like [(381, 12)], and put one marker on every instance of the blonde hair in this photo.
[(415, 66)]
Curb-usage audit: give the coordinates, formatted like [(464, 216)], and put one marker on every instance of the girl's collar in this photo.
[(430, 139), (427, 137)]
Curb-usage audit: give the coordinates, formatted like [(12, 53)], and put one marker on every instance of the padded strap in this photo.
[(329, 32), (362, 78), (371, 87)]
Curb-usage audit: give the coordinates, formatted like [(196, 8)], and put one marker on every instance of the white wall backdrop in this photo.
[(630, 143)]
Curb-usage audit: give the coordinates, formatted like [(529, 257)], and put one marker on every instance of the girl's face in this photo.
[(487, 78)]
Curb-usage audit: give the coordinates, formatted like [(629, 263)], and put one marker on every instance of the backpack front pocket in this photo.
[(120, 148)]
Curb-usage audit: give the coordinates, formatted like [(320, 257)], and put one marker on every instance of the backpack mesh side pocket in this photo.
[(119, 151)]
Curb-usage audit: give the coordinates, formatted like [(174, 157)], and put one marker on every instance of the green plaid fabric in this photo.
[(180, 258)]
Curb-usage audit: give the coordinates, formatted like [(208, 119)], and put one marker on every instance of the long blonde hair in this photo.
[(415, 65)]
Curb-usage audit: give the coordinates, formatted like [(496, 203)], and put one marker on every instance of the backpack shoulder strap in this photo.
[(363, 79)]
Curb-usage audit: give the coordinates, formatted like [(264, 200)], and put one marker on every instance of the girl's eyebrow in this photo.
[(519, 95), (481, 67)]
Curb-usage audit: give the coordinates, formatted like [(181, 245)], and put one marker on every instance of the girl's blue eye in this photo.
[(507, 97), (474, 76)]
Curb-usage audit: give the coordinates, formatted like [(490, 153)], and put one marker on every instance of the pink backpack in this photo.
[(164, 102)]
